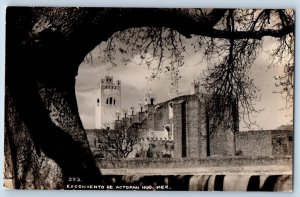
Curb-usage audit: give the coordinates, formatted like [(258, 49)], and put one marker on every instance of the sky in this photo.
[(135, 83)]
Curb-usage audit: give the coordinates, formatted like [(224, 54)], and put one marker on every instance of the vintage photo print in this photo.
[(164, 99)]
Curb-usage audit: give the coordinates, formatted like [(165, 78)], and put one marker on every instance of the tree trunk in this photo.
[(47, 142)]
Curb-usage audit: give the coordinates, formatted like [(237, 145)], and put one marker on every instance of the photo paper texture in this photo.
[(149, 99)]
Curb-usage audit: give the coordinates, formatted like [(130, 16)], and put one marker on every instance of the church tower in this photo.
[(195, 87), (108, 102), (149, 98)]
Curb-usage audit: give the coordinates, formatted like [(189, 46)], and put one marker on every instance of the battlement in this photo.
[(154, 139), (108, 81)]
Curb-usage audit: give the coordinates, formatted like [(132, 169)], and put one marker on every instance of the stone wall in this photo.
[(282, 142), (254, 143), (161, 117), (160, 148), (222, 143), (264, 143), (193, 162), (194, 141), (177, 119)]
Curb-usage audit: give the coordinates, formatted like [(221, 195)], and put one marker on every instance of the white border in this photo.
[(294, 4)]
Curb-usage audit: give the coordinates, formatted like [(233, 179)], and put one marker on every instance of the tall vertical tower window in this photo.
[(170, 110)]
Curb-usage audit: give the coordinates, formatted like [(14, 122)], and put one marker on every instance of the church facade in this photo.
[(181, 121), (179, 127)]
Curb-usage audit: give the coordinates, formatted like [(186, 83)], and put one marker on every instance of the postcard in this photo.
[(163, 99)]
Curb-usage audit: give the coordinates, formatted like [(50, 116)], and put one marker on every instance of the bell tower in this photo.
[(149, 99), (195, 87), (108, 102)]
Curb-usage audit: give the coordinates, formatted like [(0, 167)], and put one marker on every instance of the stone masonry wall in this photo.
[(193, 162), (177, 120), (254, 143), (282, 142), (193, 129), (161, 117), (221, 143)]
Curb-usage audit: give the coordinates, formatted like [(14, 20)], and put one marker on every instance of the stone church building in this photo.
[(183, 122)]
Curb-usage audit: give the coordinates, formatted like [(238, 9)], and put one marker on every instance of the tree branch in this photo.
[(250, 34)]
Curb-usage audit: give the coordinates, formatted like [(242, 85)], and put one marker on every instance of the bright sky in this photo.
[(134, 85)]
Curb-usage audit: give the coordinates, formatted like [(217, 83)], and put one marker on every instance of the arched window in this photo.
[(167, 128), (114, 101), (107, 101), (169, 131), (110, 100), (98, 101)]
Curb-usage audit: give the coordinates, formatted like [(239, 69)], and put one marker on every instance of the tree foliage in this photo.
[(118, 143), (229, 48)]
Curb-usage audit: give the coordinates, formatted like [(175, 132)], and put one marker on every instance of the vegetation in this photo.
[(117, 143)]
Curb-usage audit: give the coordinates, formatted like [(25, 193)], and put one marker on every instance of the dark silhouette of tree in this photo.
[(45, 46)]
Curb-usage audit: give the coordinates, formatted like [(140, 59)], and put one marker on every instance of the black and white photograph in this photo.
[(149, 99)]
